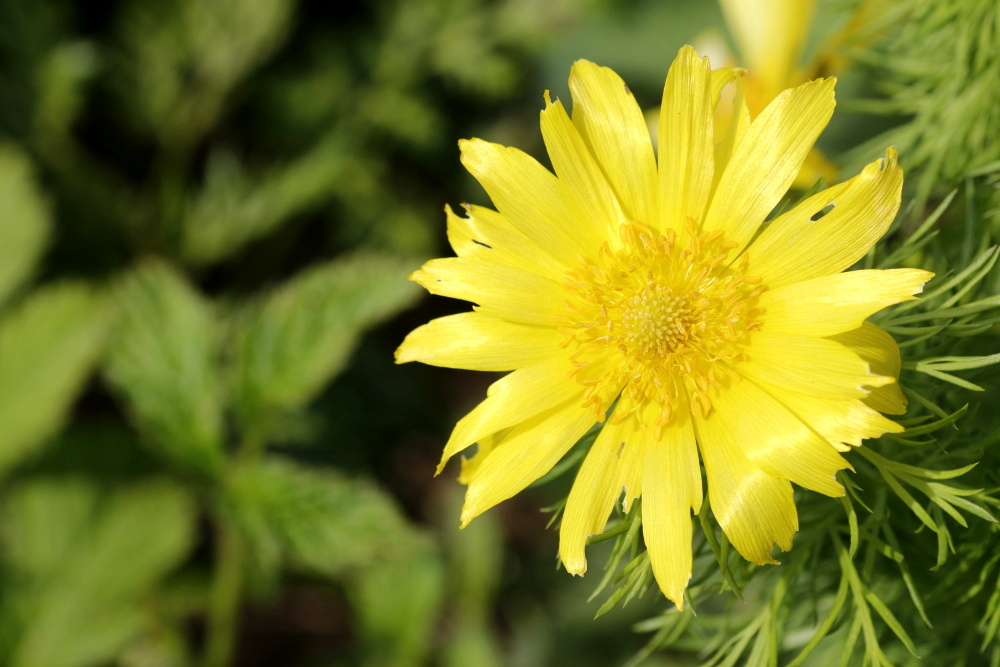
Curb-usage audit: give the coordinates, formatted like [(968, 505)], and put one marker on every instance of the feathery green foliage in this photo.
[(936, 64)]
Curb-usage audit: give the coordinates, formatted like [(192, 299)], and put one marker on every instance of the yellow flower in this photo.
[(647, 290)]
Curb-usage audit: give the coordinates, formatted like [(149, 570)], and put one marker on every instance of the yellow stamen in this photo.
[(677, 311)]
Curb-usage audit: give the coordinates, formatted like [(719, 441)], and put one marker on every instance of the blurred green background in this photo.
[(208, 209)]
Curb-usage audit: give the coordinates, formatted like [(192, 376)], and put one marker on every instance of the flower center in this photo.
[(655, 321), (659, 322)]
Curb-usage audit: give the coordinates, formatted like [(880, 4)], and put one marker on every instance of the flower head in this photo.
[(643, 291)]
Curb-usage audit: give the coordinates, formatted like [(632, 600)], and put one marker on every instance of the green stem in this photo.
[(227, 586), (226, 596)]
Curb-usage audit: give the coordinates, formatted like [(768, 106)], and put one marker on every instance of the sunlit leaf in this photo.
[(313, 520), (85, 561), (164, 361), (295, 340), (24, 220), (48, 346)]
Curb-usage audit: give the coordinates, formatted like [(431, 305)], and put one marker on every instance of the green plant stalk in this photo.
[(226, 596)]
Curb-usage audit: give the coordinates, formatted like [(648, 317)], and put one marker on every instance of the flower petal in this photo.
[(671, 489), (771, 35), (525, 454), (794, 247), (730, 127), (815, 366), (829, 305), (686, 148), (531, 199), (483, 448), (874, 344), (721, 77), (766, 160), (515, 398), (479, 342), (612, 124), (844, 422), (590, 195), (599, 483), (501, 289), (485, 234), (777, 442), (754, 509)]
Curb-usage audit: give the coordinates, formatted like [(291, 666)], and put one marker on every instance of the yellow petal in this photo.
[(483, 449), (525, 454), (721, 77), (531, 199), (589, 193), (840, 302), (685, 140), (766, 160), (671, 489), (513, 399), (777, 442), (754, 509), (612, 124), (730, 127), (485, 234), (599, 483), (795, 248), (770, 35), (874, 344), (815, 366), (501, 289), (843, 422), (479, 342)]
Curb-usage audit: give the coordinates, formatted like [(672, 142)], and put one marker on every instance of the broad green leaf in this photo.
[(84, 562), (164, 360), (318, 521), (24, 220), (289, 345), (48, 346)]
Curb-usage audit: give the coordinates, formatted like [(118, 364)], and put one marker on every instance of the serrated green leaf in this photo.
[(234, 207), (294, 341), (84, 561), (48, 346), (317, 521), (24, 220), (164, 360)]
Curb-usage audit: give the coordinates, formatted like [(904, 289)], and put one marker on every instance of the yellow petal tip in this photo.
[(577, 566), (399, 356)]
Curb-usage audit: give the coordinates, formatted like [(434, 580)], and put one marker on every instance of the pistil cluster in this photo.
[(661, 320)]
